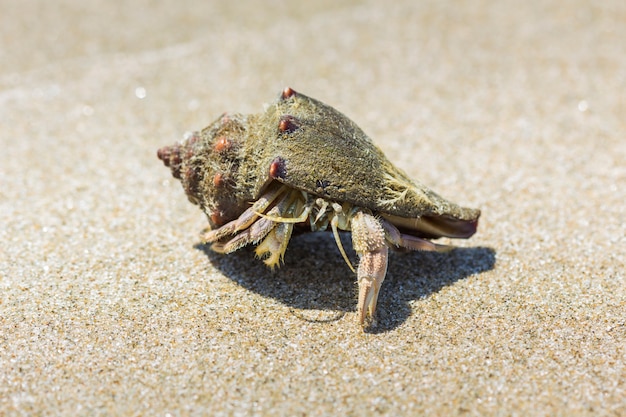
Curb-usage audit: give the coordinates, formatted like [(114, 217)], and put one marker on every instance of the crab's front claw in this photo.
[(371, 274), (368, 239)]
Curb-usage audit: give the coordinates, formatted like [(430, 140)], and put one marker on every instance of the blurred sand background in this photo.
[(109, 305)]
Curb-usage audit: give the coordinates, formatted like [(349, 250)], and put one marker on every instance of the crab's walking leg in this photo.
[(368, 239), (254, 233), (246, 219), (400, 240)]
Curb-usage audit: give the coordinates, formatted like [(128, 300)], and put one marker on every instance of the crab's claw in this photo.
[(368, 239), (371, 274)]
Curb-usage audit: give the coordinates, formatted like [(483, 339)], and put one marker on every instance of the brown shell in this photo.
[(324, 153), (310, 146)]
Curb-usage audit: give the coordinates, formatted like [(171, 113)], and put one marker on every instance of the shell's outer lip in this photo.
[(436, 226)]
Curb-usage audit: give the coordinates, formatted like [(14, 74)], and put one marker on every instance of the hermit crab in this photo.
[(303, 165)]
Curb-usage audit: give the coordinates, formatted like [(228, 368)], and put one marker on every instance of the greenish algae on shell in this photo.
[(326, 154), (310, 146)]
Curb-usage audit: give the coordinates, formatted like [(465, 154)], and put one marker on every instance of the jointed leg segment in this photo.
[(400, 240), (371, 238), (273, 227), (368, 239), (246, 219)]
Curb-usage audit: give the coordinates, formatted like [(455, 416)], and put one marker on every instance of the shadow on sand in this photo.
[(315, 277)]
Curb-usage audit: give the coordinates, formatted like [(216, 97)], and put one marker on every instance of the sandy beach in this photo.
[(111, 305)]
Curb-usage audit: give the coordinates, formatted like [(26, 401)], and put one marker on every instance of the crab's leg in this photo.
[(401, 240), (334, 224), (247, 217), (275, 244), (368, 239), (257, 231), (291, 207)]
